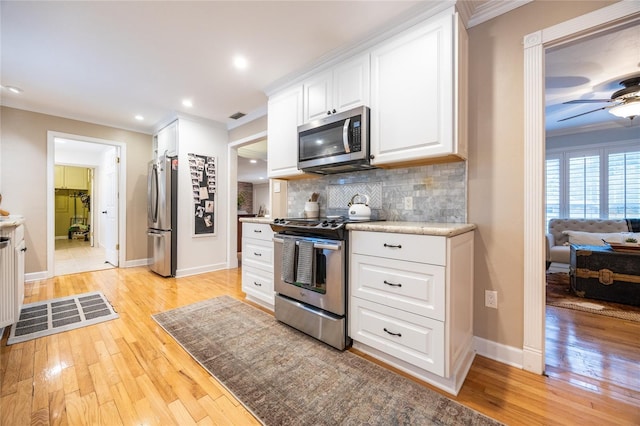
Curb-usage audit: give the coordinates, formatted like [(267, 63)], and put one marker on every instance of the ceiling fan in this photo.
[(626, 102)]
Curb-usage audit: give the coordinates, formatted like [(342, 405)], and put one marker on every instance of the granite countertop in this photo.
[(11, 220), (266, 220), (418, 228)]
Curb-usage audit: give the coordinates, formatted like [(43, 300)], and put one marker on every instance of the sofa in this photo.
[(563, 232)]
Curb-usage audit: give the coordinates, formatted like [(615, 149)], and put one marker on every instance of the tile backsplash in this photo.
[(435, 193)]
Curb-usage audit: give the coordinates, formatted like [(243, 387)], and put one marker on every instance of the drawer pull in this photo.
[(257, 284), (391, 333), (392, 284), (257, 254), (392, 245), (259, 231)]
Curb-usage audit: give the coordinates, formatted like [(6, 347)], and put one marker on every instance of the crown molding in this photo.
[(491, 9)]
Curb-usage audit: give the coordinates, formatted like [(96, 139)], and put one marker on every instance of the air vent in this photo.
[(237, 115)]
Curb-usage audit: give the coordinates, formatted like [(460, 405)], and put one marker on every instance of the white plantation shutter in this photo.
[(624, 185), (594, 183), (584, 186), (552, 184)]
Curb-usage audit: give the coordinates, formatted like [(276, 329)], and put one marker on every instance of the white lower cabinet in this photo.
[(257, 263), (411, 303)]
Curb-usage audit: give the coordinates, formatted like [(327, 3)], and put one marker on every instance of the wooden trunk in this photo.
[(600, 273)]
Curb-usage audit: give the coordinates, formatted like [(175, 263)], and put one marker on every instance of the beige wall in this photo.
[(23, 177), (496, 159)]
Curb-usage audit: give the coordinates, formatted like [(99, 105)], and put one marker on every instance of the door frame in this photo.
[(535, 44), (122, 200), (232, 167)]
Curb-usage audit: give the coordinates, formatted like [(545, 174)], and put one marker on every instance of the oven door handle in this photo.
[(334, 247)]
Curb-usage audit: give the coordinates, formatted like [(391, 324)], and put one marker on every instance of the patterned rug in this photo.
[(559, 294), (285, 377), (57, 315)]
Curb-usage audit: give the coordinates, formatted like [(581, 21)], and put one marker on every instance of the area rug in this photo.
[(559, 294), (285, 377), (57, 315)]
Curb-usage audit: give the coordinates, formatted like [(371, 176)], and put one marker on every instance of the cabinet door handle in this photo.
[(392, 333), (392, 245), (257, 284), (23, 249), (257, 254), (258, 231), (392, 284)]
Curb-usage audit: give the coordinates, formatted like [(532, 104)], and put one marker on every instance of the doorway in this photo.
[(84, 209), (240, 155), (535, 45)]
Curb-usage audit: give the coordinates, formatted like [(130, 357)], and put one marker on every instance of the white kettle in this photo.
[(359, 211)]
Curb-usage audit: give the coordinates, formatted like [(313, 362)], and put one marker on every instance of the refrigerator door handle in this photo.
[(152, 195), (154, 234)]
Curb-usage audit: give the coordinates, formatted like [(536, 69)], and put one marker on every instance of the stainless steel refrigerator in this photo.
[(162, 197)]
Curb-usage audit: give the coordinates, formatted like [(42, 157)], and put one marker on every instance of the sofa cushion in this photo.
[(593, 238)]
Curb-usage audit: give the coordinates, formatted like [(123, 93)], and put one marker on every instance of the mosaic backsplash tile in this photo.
[(437, 193)]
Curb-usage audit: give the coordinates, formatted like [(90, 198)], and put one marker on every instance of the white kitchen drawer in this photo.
[(414, 287), (258, 283), (257, 253), (410, 247), (260, 231), (412, 338)]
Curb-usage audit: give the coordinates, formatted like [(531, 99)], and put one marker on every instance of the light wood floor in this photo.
[(128, 371)]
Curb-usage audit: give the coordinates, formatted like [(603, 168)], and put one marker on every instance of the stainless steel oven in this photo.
[(311, 293), (310, 277)]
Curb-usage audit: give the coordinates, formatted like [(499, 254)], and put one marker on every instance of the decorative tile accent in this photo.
[(340, 195)]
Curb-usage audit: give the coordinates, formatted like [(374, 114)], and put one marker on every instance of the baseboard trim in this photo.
[(201, 269), (136, 263), (498, 352), (36, 276)]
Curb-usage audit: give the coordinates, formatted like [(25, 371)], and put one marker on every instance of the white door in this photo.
[(109, 211)]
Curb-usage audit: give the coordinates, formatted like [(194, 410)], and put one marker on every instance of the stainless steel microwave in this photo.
[(335, 144)]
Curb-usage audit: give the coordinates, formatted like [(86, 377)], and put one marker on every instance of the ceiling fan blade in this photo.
[(584, 113), (587, 101)]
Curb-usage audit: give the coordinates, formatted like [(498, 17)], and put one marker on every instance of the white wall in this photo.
[(261, 197), (202, 253)]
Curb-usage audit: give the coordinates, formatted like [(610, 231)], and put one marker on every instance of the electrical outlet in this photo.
[(491, 299), (408, 203)]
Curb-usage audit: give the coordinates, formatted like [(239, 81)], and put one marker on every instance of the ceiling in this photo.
[(106, 62), (590, 68)]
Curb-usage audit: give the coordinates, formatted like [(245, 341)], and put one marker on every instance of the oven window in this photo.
[(320, 274)]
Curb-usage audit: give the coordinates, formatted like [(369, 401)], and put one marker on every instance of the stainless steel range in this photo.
[(310, 277)]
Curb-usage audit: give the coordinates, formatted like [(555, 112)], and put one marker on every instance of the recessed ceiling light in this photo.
[(240, 62), (13, 89), (139, 117), (261, 178), (188, 103), (253, 161)]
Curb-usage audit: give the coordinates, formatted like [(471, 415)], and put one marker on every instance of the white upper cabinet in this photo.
[(414, 89), (166, 140), (285, 115), (341, 88)]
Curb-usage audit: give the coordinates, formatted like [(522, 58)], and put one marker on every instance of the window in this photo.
[(553, 186), (584, 186), (593, 183), (624, 185)]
